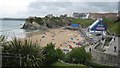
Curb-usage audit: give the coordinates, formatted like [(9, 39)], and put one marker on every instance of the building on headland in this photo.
[(80, 15), (50, 15), (63, 16), (95, 15)]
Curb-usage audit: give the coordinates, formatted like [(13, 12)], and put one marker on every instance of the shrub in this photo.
[(31, 54), (2, 38), (78, 56), (51, 54)]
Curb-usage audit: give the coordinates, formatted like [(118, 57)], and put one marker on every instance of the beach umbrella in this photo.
[(71, 38)]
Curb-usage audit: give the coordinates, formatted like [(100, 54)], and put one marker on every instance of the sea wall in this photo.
[(105, 58)]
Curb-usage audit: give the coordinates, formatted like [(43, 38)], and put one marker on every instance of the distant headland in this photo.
[(21, 19)]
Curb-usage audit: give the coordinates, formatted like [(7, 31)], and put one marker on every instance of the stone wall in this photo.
[(119, 49), (104, 58)]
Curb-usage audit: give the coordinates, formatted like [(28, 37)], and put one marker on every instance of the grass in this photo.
[(58, 63), (83, 22), (113, 25), (103, 66)]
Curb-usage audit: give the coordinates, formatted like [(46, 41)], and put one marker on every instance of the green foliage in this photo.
[(30, 20), (113, 25), (51, 54), (78, 56), (31, 54), (95, 65), (2, 38), (83, 22), (50, 22), (39, 20), (54, 22), (60, 54)]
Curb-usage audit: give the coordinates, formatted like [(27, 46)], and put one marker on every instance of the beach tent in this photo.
[(78, 43), (75, 25), (98, 26)]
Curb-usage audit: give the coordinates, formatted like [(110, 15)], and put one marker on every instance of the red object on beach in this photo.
[(71, 47), (78, 45)]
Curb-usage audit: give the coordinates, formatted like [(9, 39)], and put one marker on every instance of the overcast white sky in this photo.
[(26, 8)]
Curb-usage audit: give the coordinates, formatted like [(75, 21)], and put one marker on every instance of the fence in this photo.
[(11, 60)]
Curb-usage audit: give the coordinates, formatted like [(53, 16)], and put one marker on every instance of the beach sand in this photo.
[(61, 37)]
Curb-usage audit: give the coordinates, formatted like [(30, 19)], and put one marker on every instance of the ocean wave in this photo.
[(5, 30)]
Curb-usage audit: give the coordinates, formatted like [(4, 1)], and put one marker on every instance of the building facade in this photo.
[(80, 15)]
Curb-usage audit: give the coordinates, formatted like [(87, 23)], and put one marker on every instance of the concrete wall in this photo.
[(119, 49), (104, 58)]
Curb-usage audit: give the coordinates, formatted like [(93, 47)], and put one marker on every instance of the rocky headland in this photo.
[(34, 23)]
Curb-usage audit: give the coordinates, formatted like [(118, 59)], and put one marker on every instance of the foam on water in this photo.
[(11, 29)]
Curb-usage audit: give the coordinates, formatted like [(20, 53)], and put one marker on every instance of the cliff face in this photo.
[(34, 25), (46, 22)]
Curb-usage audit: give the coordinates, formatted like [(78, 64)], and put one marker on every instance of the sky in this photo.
[(26, 8)]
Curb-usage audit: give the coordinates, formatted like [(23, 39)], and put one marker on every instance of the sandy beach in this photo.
[(62, 38)]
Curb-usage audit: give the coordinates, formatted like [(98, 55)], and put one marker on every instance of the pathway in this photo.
[(111, 46)]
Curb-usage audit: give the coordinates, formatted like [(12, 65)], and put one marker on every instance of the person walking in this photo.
[(115, 48), (114, 39), (89, 49)]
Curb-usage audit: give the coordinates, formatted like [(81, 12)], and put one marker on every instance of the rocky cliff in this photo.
[(46, 22)]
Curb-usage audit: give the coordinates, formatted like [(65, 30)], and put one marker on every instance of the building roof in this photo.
[(74, 25)]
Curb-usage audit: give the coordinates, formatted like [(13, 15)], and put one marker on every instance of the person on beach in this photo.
[(70, 46), (60, 44), (114, 39), (115, 48), (89, 49)]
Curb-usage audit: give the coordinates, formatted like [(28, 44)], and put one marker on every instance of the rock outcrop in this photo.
[(34, 23)]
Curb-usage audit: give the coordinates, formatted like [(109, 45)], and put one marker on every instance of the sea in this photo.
[(12, 28)]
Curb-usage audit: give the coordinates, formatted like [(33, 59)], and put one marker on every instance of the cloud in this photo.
[(104, 6), (77, 0), (58, 8), (44, 8), (25, 8), (13, 7)]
